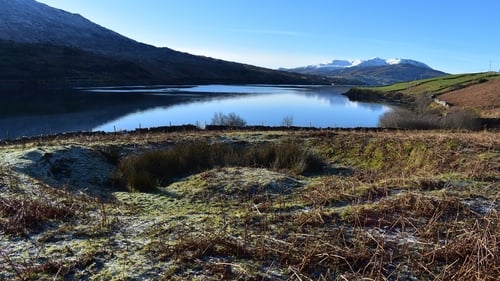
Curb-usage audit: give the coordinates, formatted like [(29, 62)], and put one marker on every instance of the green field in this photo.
[(438, 85)]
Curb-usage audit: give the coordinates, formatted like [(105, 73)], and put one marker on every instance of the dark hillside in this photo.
[(32, 65), (66, 46), (38, 65)]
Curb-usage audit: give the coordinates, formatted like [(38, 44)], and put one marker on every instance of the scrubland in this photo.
[(252, 205)]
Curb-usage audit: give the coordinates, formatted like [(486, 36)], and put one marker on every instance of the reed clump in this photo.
[(144, 172)]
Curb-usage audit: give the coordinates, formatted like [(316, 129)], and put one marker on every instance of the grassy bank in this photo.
[(385, 206)]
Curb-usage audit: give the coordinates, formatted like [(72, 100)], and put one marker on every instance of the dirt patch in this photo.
[(484, 97)]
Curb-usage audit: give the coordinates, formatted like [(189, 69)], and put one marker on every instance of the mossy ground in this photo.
[(396, 205)]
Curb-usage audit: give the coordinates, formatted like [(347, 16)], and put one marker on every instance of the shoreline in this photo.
[(194, 129)]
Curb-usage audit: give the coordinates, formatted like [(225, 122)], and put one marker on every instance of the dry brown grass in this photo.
[(393, 205), (397, 217), (483, 97), (22, 213)]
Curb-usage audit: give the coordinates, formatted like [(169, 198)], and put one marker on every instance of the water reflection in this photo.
[(260, 105), (128, 108)]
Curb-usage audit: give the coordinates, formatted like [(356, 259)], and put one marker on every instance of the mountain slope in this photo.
[(387, 74), (407, 92), (375, 71), (27, 21), (35, 65), (482, 97)]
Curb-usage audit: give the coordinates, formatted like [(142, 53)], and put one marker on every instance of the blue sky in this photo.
[(451, 35)]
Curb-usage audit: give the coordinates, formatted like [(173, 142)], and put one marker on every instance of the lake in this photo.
[(128, 108)]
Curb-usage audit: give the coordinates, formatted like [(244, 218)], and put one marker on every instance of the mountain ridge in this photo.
[(39, 26), (336, 63), (375, 71)]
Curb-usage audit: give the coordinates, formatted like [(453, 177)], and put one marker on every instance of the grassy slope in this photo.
[(405, 92), (390, 205), (438, 85)]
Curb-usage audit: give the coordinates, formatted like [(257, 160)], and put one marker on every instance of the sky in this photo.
[(455, 36)]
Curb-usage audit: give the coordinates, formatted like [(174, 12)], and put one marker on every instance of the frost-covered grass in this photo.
[(387, 206)]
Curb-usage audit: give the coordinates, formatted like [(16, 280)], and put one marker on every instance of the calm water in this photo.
[(128, 108), (258, 105)]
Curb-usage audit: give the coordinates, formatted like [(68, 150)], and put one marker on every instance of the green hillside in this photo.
[(439, 85), (405, 92)]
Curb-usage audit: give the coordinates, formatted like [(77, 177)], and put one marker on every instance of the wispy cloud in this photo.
[(269, 32)]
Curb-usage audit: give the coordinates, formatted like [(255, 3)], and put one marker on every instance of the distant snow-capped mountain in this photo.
[(374, 71), (367, 63)]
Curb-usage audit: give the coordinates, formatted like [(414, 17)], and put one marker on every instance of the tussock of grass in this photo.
[(146, 171)]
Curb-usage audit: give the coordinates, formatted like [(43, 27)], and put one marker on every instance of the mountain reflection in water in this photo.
[(128, 108)]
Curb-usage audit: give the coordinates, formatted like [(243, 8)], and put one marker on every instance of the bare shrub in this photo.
[(422, 116), (461, 119), (231, 120), (421, 104), (455, 119), (287, 121), (406, 119)]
